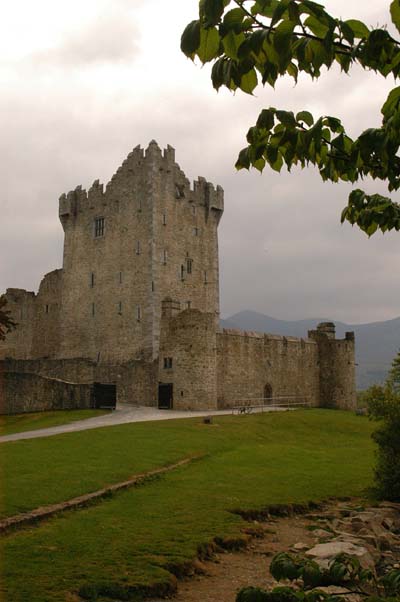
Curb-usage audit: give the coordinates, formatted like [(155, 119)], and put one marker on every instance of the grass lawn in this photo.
[(130, 539), (41, 420)]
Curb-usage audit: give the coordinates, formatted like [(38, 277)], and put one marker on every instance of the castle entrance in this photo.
[(267, 394), (105, 395), (165, 396)]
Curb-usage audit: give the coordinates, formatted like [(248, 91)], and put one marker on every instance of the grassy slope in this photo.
[(252, 461), (42, 420)]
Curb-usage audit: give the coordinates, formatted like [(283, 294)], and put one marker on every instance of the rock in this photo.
[(300, 547), (388, 523), (322, 533), (340, 591), (324, 552)]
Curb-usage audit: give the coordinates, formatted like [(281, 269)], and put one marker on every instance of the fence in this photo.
[(261, 404)]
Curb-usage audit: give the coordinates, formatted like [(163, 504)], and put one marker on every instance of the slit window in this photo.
[(189, 265), (99, 227), (164, 219), (138, 313), (205, 278), (47, 309), (120, 308), (120, 277), (165, 257), (138, 247), (140, 205), (168, 363), (92, 280), (195, 231), (182, 272)]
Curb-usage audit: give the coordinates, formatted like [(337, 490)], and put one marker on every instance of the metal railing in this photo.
[(261, 404)]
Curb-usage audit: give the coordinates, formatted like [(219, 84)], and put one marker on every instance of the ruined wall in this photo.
[(189, 341), (22, 307), (252, 365), (336, 359), (46, 323), (25, 392)]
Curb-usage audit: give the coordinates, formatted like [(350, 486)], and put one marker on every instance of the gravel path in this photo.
[(122, 415)]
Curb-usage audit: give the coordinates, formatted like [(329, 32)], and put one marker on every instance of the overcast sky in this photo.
[(83, 82)]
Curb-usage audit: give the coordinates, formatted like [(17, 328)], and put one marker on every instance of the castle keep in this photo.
[(136, 305)]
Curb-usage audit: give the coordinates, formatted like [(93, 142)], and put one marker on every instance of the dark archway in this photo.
[(267, 394)]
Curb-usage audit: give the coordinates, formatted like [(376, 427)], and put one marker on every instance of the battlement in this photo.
[(139, 168), (251, 334)]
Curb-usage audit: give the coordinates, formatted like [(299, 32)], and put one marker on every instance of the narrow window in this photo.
[(138, 313), (99, 227), (120, 277), (165, 257), (195, 231), (194, 209), (189, 265), (120, 308), (47, 309), (92, 279), (205, 278), (179, 192), (152, 286), (93, 309), (138, 247), (182, 272), (164, 219), (188, 304), (140, 205), (167, 363)]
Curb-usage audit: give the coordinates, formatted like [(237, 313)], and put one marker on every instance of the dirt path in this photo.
[(233, 570)]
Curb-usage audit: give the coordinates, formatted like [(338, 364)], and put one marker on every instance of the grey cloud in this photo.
[(109, 39)]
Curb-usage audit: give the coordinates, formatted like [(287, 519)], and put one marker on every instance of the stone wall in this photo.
[(254, 366), (26, 392), (336, 359), (189, 341)]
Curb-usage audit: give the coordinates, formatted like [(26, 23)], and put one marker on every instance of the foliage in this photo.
[(394, 374), (344, 570), (7, 324), (384, 406), (252, 41)]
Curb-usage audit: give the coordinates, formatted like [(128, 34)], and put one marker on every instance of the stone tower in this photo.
[(148, 236)]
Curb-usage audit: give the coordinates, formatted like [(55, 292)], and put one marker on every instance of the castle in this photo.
[(136, 306)]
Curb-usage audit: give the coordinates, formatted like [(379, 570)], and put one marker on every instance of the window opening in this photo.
[(120, 307), (120, 277), (205, 278), (189, 265), (47, 309), (195, 231), (182, 272), (99, 227), (138, 247), (138, 313), (167, 363), (165, 257), (164, 219)]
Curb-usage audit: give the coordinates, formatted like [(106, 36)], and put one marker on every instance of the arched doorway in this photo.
[(267, 394)]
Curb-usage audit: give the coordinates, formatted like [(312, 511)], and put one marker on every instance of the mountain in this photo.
[(377, 343)]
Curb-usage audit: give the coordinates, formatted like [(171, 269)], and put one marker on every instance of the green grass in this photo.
[(251, 462), (41, 420)]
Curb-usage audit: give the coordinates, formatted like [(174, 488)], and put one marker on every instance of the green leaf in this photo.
[(243, 160), (248, 81), (283, 37), (286, 117), (360, 30), (391, 102), (306, 117), (234, 17), (395, 13), (266, 119), (212, 11), (316, 27), (231, 43), (209, 44), (190, 40)]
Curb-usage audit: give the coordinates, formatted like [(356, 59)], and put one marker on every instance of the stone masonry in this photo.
[(136, 303)]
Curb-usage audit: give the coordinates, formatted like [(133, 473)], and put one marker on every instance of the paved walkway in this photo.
[(122, 415)]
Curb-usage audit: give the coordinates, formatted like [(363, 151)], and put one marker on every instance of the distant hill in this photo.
[(376, 343)]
